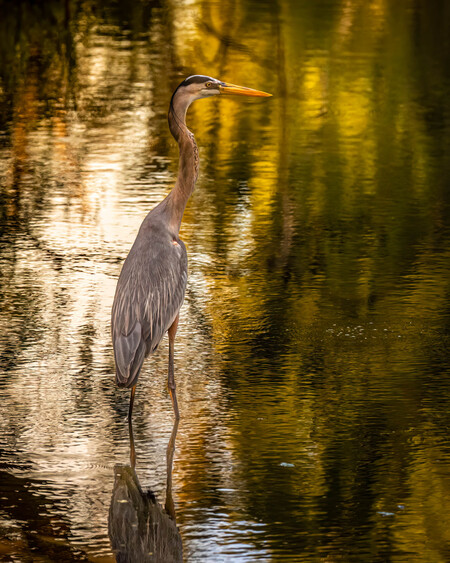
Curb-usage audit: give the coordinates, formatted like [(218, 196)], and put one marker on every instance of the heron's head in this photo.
[(199, 86)]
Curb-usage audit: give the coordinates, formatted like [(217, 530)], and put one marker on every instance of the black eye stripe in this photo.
[(196, 79)]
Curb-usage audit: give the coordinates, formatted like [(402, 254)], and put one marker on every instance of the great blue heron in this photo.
[(152, 283)]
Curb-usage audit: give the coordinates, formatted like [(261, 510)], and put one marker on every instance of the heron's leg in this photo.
[(171, 379), (132, 448), (130, 409), (169, 506)]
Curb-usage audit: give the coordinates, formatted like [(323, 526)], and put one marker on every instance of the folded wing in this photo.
[(149, 294)]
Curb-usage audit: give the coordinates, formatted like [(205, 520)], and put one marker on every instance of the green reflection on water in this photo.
[(317, 425)]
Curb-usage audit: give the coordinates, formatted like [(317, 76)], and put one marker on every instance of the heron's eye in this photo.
[(208, 84)]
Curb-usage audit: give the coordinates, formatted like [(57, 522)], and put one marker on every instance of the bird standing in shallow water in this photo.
[(152, 283)]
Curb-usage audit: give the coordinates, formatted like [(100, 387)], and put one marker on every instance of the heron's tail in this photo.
[(129, 353), (125, 383)]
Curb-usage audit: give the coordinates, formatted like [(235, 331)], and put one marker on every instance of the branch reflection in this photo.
[(140, 529)]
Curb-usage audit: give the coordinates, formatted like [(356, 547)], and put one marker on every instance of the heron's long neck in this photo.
[(188, 163)]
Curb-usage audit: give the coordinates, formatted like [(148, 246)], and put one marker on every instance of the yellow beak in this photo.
[(232, 89)]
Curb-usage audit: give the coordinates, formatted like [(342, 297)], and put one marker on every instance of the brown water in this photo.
[(312, 355)]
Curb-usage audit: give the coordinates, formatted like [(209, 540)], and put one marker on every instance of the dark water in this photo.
[(312, 355)]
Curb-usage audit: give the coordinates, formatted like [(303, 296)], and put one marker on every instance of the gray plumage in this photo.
[(149, 294)]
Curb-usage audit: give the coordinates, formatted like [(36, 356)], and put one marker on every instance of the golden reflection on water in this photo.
[(311, 356)]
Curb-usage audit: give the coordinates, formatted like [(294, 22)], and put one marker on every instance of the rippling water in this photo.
[(312, 358)]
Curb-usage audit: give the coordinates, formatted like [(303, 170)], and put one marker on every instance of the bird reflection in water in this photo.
[(140, 529)]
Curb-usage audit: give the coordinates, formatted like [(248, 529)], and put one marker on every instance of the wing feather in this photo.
[(149, 294)]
